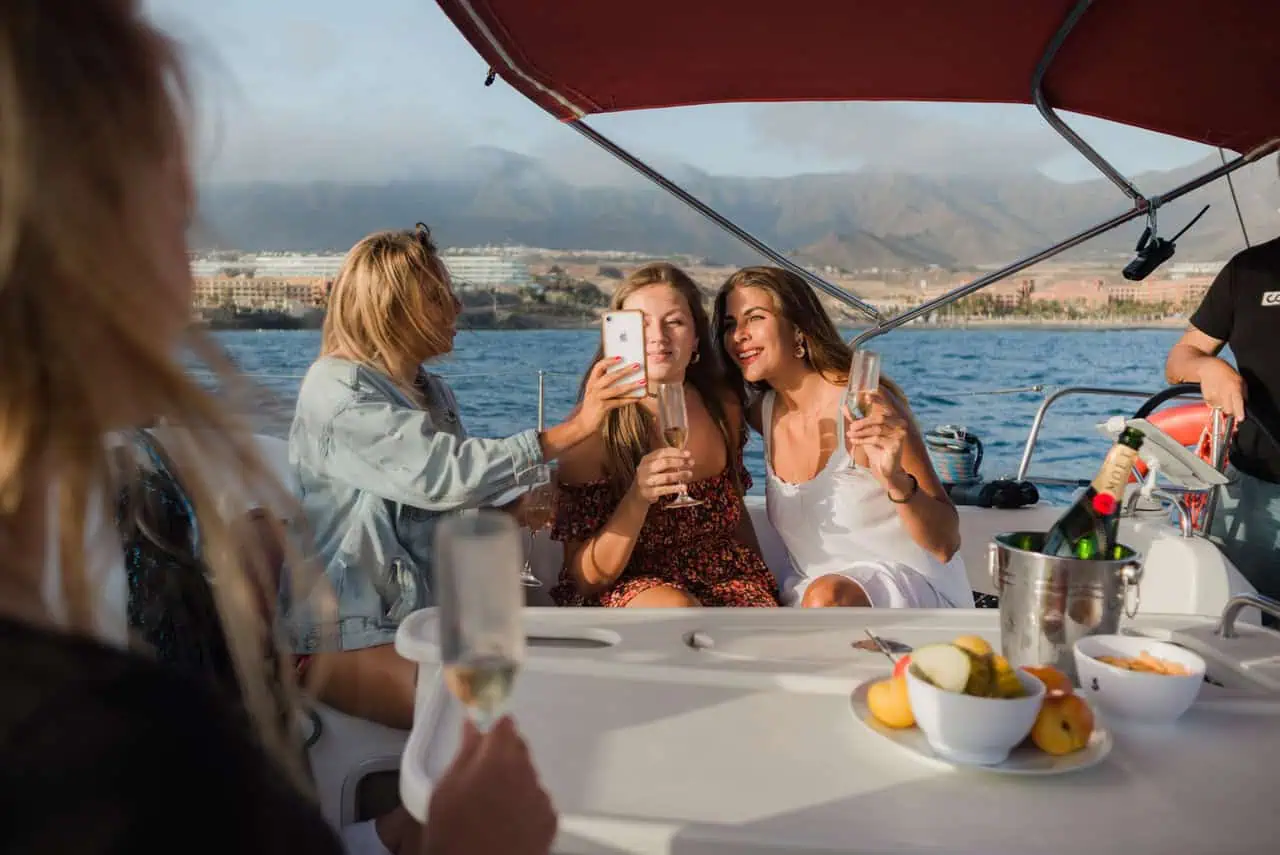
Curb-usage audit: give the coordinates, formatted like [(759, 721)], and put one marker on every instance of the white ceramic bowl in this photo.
[(1137, 695), (974, 731)]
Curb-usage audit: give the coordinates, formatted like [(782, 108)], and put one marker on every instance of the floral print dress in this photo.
[(692, 549)]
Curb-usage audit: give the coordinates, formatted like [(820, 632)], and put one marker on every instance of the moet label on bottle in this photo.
[(1115, 470)]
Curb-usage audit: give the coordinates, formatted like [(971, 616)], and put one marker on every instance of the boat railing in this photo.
[(1220, 439), (540, 374)]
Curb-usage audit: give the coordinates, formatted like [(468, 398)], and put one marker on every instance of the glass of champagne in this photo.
[(864, 378), (477, 563), (539, 510), (673, 419)]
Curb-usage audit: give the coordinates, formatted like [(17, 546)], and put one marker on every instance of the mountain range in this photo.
[(855, 220)]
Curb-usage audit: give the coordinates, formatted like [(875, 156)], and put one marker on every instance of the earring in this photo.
[(697, 354), (800, 351)]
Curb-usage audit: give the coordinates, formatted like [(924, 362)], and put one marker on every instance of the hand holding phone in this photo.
[(622, 334)]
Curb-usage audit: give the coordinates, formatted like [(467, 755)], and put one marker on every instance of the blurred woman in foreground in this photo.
[(101, 749)]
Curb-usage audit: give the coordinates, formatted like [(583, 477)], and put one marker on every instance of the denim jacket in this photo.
[(375, 472)]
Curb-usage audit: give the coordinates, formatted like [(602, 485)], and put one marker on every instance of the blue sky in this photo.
[(379, 89)]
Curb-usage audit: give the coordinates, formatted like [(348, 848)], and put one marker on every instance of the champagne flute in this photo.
[(539, 510), (477, 561), (864, 378), (673, 419)]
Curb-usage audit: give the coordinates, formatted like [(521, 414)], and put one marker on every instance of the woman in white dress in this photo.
[(881, 532)]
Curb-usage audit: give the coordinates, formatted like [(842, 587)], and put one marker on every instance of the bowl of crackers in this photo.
[(1138, 678)]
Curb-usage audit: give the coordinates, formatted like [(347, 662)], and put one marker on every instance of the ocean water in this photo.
[(949, 375)]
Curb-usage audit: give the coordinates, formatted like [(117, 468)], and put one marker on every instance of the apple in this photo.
[(1064, 725), (944, 665)]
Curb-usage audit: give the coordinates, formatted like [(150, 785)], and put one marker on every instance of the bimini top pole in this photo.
[(869, 311), (604, 57), (1141, 204), (1055, 121), (1076, 239)]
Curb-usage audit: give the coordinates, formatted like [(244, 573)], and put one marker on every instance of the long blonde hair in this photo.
[(386, 306), (92, 104), (825, 352), (627, 430)]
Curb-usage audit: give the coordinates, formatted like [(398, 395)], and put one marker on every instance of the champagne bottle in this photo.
[(1088, 528)]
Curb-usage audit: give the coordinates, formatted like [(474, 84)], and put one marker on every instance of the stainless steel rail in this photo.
[(866, 309), (1030, 447), (1239, 602), (1055, 121)]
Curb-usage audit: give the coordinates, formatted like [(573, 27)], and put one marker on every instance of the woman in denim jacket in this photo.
[(379, 453)]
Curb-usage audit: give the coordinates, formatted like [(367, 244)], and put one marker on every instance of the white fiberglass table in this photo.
[(706, 731)]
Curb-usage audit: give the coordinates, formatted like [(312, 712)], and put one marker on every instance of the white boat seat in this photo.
[(1182, 575), (345, 752), (978, 526)]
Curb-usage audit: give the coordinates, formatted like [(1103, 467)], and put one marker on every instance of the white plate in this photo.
[(1025, 759)]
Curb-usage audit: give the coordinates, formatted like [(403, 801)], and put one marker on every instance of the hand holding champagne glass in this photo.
[(477, 569), (864, 379), (537, 511), (673, 420)]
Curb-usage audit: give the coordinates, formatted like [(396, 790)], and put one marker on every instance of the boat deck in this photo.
[(716, 731)]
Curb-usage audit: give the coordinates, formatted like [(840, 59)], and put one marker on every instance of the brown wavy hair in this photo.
[(825, 352), (386, 303), (93, 112), (627, 430)]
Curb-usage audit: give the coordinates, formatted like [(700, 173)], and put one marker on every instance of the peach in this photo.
[(888, 702), (900, 667), (1064, 725), (1056, 683)]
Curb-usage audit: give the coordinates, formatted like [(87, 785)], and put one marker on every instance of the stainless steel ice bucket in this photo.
[(1047, 603)]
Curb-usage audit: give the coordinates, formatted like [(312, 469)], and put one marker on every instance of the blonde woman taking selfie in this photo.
[(380, 452)]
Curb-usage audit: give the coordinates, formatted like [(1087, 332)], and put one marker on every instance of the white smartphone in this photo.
[(622, 333)]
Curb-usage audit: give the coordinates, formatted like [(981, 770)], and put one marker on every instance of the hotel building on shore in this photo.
[(282, 281)]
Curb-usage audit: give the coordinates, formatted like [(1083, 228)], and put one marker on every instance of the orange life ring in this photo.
[(1191, 425)]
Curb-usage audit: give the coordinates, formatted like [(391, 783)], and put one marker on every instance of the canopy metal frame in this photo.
[(1141, 205)]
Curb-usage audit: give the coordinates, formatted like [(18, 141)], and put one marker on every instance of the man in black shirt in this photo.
[(1242, 309)]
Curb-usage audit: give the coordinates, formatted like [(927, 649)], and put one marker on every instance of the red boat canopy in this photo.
[(1203, 70)]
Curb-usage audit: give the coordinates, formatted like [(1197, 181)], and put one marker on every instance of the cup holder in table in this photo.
[(577, 639)]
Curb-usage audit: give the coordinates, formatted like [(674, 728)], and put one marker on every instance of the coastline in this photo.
[(267, 321)]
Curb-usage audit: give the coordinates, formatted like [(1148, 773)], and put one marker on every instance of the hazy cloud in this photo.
[(890, 136)]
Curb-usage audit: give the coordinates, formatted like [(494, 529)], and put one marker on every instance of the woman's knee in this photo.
[(663, 597), (832, 591)]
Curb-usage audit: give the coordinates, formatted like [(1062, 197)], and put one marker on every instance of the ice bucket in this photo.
[(1048, 603)]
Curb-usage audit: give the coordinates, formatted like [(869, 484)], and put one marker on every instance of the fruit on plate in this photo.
[(946, 666), (968, 666), (1056, 683), (888, 702), (974, 644), (900, 667), (1064, 725), (1007, 684)]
